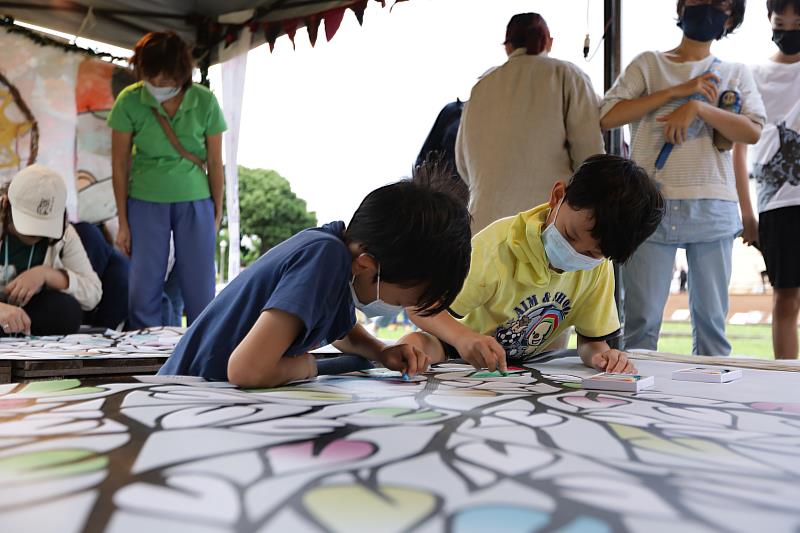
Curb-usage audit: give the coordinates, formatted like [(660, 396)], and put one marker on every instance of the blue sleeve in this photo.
[(310, 284)]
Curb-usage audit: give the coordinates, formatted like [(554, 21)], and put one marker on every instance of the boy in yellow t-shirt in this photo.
[(534, 275)]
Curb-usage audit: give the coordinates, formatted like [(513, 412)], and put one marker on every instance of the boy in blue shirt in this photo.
[(407, 245)]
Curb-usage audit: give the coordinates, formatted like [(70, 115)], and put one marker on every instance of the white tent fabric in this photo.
[(234, 68)]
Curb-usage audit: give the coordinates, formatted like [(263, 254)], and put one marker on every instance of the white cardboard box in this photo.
[(707, 374), (618, 382)]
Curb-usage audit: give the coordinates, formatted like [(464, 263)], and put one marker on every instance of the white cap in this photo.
[(38, 198)]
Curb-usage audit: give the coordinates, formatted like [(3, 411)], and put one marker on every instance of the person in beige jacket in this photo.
[(528, 124), (46, 281)]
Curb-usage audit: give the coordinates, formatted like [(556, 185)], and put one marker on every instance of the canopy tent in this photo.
[(223, 32), (220, 32), (201, 22)]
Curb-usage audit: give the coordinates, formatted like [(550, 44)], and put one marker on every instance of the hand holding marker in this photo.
[(698, 123)]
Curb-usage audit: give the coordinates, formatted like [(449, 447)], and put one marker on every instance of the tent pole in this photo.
[(611, 69), (611, 65)]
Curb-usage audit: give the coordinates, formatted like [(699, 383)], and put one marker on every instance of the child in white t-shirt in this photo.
[(775, 164)]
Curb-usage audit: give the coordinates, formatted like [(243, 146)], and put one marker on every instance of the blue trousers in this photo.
[(172, 301), (113, 269), (192, 225), (646, 279)]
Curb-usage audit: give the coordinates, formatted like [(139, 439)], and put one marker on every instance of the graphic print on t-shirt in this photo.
[(537, 319), (784, 167)]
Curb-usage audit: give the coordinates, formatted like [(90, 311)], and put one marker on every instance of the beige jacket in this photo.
[(69, 255), (527, 124)]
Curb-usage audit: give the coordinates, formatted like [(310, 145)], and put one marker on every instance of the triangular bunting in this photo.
[(359, 8), (395, 3), (312, 25), (333, 19), (290, 28), (271, 33)]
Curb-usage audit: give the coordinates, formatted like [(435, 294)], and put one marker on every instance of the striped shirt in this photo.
[(695, 169)]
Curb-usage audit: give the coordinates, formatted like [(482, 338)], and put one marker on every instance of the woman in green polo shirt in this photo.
[(160, 184)]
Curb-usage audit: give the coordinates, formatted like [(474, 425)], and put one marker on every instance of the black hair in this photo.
[(737, 14), (626, 203), (439, 168), (779, 6), (419, 231)]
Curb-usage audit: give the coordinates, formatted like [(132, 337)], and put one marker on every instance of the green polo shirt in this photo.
[(158, 172)]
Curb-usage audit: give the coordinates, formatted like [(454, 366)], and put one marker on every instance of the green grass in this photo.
[(750, 341)]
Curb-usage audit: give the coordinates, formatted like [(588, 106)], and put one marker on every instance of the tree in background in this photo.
[(269, 212)]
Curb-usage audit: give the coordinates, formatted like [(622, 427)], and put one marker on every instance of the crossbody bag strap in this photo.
[(173, 140)]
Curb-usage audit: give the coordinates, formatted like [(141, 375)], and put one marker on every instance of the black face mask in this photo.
[(703, 23), (788, 41)]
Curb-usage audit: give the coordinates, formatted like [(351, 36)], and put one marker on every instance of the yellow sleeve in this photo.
[(597, 315), (481, 281)]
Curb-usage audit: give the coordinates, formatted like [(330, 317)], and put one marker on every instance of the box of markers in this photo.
[(618, 382), (707, 375)]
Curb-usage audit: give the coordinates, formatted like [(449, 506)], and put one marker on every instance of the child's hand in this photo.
[(612, 361), (482, 351), (404, 358), (750, 231), (703, 84), (677, 123)]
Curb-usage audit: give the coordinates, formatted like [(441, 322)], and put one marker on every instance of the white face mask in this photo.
[(560, 252), (162, 94), (377, 307)]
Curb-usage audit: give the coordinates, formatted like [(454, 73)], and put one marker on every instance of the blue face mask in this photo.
[(703, 23), (377, 307), (560, 252)]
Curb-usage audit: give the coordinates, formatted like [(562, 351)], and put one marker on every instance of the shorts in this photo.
[(777, 237)]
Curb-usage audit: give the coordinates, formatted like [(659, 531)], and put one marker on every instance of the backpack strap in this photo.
[(173, 140)]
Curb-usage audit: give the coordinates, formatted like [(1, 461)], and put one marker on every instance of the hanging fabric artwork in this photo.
[(37, 122), (98, 84)]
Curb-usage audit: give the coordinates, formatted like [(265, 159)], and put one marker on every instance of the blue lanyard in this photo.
[(5, 267)]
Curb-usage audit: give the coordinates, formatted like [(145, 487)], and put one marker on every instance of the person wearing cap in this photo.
[(47, 279), (165, 130), (528, 123)]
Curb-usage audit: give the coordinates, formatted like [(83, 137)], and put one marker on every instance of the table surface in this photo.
[(370, 452)]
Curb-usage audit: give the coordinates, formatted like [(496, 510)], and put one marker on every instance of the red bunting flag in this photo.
[(359, 8), (290, 29), (395, 3), (271, 32), (312, 25), (333, 19)]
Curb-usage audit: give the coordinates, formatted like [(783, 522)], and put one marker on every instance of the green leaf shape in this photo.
[(403, 414), (53, 463), (295, 393), (58, 387)]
